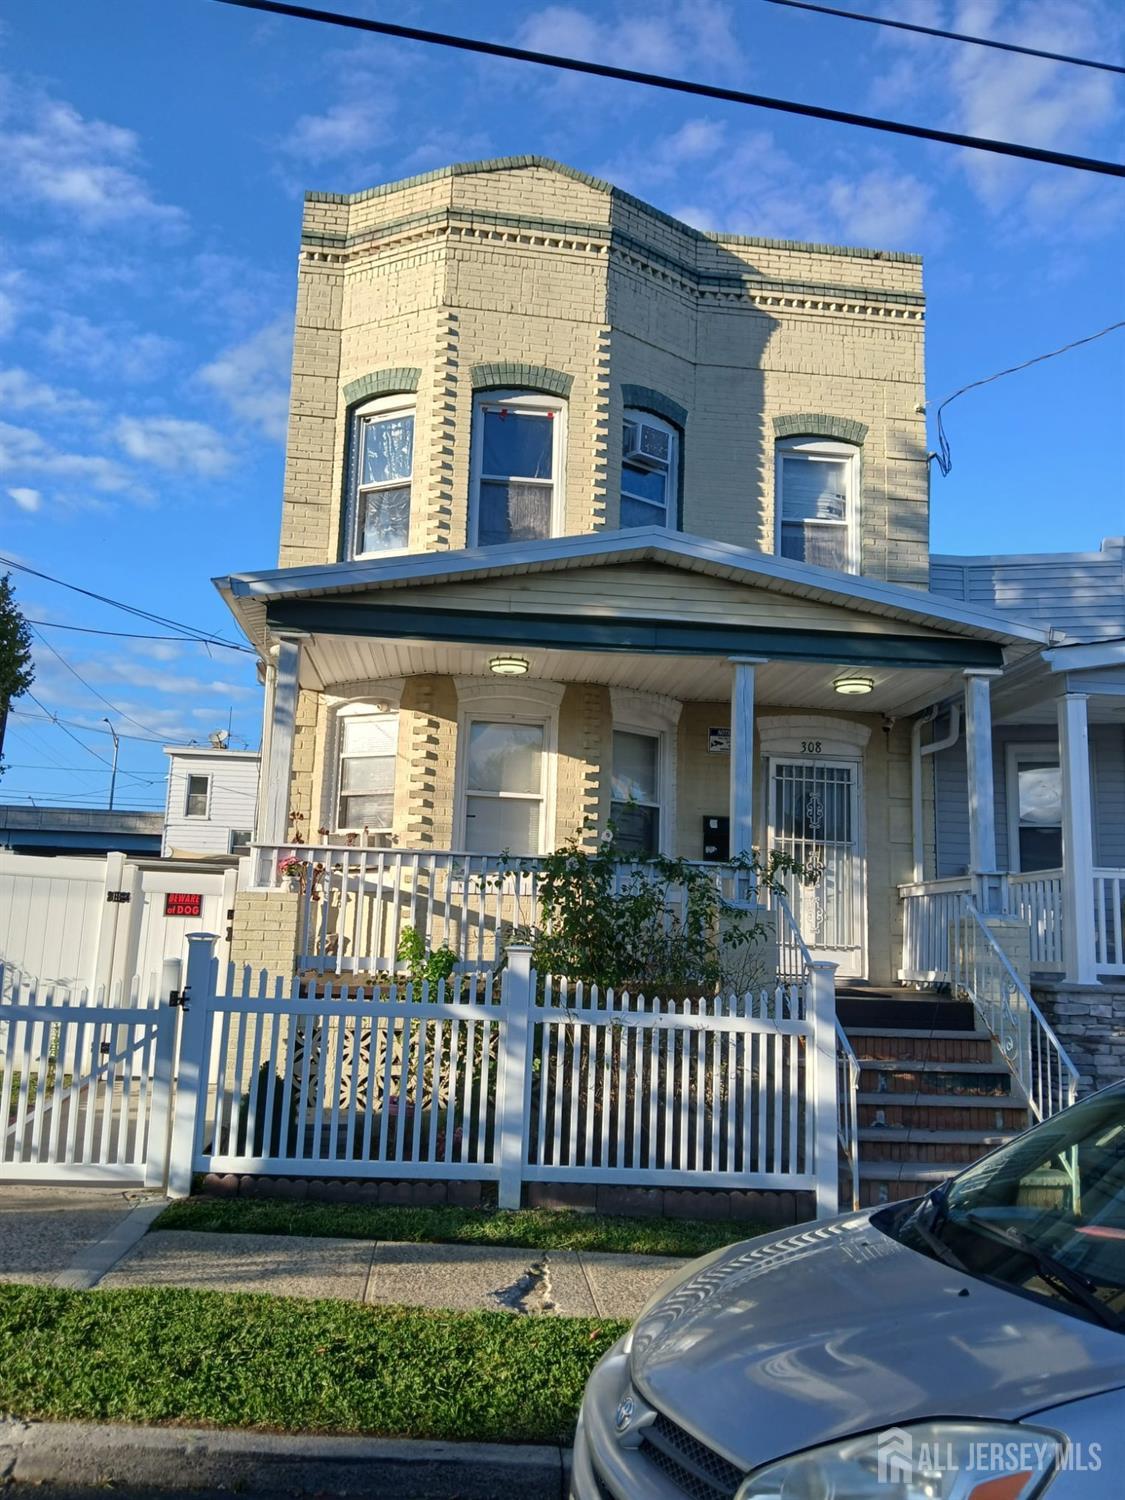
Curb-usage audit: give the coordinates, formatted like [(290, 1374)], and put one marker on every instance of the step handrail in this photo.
[(983, 972)]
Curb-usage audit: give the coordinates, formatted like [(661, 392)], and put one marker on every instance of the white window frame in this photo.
[(1016, 752), (381, 406), (191, 776), (829, 450), (671, 493), (235, 846), (516, 400), (482, 701), (658, 716), (356, 708)]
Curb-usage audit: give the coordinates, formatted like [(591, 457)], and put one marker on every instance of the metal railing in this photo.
[(983, 973)]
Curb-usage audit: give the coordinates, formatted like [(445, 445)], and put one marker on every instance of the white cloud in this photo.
[(883, 208), (111, 349), (22, 391), (174, 443), (26, 499), (89, 170), (26, 453), (252, 378), (345, 129)]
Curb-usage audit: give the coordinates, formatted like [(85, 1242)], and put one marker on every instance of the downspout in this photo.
[(917, 750)]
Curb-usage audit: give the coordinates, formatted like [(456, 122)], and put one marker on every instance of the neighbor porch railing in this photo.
[(929, 908), (1038, 898), (1109, 920), (982, 972)]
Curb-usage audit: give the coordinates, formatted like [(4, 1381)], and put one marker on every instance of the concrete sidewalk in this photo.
[(561, 1282)]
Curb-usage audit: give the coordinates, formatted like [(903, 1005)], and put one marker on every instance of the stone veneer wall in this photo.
[(1090, 1022)]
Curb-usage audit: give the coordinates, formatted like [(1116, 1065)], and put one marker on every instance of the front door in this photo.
[(816, 817)]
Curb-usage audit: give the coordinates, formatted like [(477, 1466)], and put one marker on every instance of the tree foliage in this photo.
[(16, 670)]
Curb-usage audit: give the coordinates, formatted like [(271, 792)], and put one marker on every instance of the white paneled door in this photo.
[(816, 817)]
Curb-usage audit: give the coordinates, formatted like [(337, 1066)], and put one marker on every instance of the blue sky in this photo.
[(152, 160)]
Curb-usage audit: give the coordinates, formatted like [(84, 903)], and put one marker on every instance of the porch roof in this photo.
[(410, 596)]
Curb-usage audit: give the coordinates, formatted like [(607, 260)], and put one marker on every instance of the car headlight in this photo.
[(927, 1461)]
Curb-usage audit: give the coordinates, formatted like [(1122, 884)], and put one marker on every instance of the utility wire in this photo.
[(943, 455), (148, 781), (191, 631), (101, 697), (952, 36), (683, 86), (143, 739), (123, 635)]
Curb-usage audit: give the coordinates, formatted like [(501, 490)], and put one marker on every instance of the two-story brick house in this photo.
[(591, 516)]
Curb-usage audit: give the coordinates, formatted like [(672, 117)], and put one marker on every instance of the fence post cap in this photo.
[(203, 937), (823, 965)]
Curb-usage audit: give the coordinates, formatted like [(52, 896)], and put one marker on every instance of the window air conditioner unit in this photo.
[(646, 446)]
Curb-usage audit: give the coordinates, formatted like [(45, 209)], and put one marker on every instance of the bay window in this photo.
[(367, 746), (816, 501), (517, 467), (649, 466), (382, 471)]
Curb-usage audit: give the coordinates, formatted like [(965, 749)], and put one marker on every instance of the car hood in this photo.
[(828, 1329)]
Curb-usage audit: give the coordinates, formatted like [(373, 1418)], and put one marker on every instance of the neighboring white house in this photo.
[(211, 798)]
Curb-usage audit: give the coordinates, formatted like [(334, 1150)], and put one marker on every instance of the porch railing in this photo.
[(982, 972), (1109, 920), (357, 903), (929, 909), (1038, 898)]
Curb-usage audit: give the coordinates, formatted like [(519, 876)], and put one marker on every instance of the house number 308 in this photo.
[(811, 747)]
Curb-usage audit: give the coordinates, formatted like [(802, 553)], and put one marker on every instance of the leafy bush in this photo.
[(421, 964), (654, 924)]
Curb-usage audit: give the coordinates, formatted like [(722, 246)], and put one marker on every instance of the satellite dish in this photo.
[(219, 739)]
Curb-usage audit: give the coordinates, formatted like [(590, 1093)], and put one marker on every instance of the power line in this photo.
[(191, 631), (123, 635), (943, 455), (953, 36), (684, 86), (148, 780), (74, 672), (142, 739)]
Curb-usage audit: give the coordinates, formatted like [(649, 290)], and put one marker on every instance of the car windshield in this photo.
[(1044, 1215)]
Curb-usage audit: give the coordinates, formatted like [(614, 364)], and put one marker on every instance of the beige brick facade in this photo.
[(418, 285)]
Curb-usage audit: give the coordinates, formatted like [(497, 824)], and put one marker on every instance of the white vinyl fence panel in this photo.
[(50, 911)]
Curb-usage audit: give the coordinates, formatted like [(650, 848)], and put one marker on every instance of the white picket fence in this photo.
[(496, 1076)]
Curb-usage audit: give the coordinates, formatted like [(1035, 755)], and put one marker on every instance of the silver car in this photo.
[(963, 1346)]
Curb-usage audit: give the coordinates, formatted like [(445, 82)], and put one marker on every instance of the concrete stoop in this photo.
[(935, 1093)]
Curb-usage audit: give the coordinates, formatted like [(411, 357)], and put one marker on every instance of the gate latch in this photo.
[(180, 997)]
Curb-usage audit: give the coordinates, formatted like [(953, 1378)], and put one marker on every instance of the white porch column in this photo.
[(1077, 841), (982, 795), (278, 765), (742, 754)]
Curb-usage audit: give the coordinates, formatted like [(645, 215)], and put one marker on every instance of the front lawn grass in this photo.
[(525, 1228), (221, 1359)]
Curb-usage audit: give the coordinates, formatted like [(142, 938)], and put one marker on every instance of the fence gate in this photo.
[(85, 1085)]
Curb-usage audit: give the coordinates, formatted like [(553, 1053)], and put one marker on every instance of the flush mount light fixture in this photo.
[(509, 666), (852, 685)]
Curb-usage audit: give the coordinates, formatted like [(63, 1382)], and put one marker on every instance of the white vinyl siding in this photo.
[(816, 498), (382, 473), (518, 448), (233, 793)]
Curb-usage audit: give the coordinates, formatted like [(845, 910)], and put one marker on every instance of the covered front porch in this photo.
[(702, 699), (1055, 792)]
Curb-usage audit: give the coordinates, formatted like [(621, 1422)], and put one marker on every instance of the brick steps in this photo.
[(934, 1092)]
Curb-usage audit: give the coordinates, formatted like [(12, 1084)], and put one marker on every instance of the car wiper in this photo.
[(1065, 1279), (933, 1242)]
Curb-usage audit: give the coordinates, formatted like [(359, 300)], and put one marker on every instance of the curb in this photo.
[(203, 1461)]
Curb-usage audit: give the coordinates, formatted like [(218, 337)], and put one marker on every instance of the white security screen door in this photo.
[(815, 817)]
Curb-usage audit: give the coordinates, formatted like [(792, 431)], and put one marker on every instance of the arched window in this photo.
[(381, 472), (649, 470), (518, 455), (817, 502)]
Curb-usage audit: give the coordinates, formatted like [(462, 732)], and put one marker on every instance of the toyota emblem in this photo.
[(624, 1414)]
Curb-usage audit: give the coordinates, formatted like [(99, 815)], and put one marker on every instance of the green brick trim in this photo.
[(646, 399), (383, 383), (510, 374), (817, 424)]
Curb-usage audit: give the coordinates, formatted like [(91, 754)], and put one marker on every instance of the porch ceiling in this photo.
[(339, 662)]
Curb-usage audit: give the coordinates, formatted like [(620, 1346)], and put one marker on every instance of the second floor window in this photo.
[(384, 466), (197, 796), (816, 498), (648, 471), (518, 448)]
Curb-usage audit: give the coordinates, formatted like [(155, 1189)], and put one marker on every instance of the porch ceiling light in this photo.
[(509, 666), (854, 685)]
